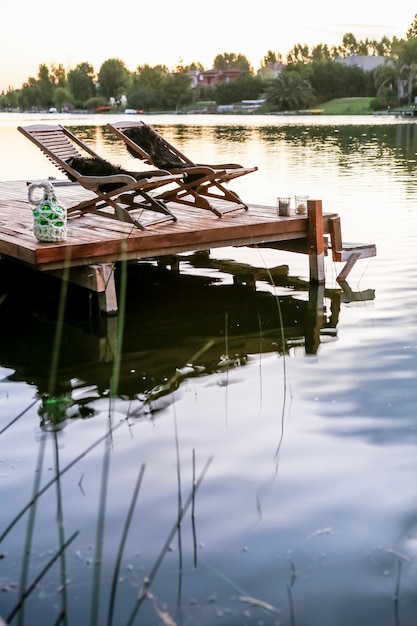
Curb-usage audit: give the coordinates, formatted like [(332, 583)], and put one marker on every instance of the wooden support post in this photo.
[(348, 266), (315, 318), (348, 253), (107, 339), (98, 278), (315, 240), (106, 288), (335, 238)]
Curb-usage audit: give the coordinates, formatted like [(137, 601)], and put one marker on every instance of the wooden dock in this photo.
[(94, 243)]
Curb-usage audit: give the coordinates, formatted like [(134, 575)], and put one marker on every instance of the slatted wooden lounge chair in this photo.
[(203, 185), (117, 193)]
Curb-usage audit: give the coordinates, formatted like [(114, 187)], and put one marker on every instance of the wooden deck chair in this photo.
[(203, 185), (117, 192)]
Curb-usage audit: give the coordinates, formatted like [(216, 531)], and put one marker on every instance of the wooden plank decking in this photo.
[(94, 241)]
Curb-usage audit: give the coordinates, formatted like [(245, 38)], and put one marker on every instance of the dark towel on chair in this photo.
[(88, 166), (161, 155), (155, 146)]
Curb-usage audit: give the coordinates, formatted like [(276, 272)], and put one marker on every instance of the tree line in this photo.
[(307, 77)]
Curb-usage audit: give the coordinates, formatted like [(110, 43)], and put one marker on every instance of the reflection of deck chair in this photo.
[(114, 188), (202, 185)]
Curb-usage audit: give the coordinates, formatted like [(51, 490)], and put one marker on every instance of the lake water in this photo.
[(273, 451)]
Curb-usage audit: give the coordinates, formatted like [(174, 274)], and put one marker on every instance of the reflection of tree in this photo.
[(392, 142), (191, 326)]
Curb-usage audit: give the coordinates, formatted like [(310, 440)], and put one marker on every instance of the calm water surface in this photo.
[(273, 449)]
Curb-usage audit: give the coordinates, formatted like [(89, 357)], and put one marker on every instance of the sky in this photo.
[(166, 32)]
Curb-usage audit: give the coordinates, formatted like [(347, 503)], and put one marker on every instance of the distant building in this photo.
[(194, 76), (215, 77), (272, 70), (206, 78), (367, 63)]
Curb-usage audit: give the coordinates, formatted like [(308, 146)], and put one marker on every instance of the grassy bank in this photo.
[(347, 106)]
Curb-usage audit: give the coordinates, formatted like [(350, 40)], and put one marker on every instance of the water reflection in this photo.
[(211, 350), (390, 142), (378, 147), (177, 325)]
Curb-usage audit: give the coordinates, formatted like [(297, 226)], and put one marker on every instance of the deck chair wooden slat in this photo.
[(203, 186), (117, 196)]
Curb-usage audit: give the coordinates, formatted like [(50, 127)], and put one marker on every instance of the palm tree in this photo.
[(400, 70), (390, 75), (290, 91)]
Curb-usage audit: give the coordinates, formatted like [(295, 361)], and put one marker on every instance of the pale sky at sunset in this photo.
[(163, 32)]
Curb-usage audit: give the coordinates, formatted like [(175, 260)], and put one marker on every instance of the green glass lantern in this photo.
[(49, 217)]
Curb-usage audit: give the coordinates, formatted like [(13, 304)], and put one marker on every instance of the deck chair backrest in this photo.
[(59, 145), (144, 142)]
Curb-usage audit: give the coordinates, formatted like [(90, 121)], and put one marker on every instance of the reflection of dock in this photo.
[(175, 326), (95, 244)]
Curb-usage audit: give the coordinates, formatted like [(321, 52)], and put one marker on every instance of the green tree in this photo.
[(383, 47), (407, 52), (270, 58), (147, 87), (58, 75), (229, 60), (246, 87), (320, 52), (385, 99), (9, 100), (331, 79), (389, 76), (290, 91), (113, 78), (62, 95), (30, 95), (176, 91), (349, 45), (299, 53), (412, 31), (367, 47), (192, 67), (81, 82), (46, 86), (399, 71)]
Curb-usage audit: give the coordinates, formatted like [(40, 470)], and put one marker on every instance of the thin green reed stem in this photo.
[(143, 592), (284, 367), (61, 532), (30, 527), (284, 360), (52, 482), (122, 545), (179, 534), (39, 577), (114, 386), (60, 618), (14, 420), (95, 595)]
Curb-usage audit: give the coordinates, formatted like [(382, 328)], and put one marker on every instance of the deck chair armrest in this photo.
[(221, 166), (234, 167), (202, 170), (163, 178), (93, 182)]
